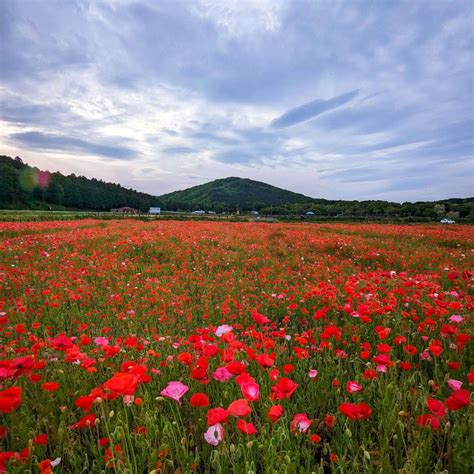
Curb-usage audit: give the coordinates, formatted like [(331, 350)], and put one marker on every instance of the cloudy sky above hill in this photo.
[(334, 99)]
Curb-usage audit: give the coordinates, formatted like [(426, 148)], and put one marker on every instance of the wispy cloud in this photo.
[(311, 110), (43, 141)]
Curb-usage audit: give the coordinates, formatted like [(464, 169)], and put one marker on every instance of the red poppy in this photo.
[(284, 388), (275, 413), (329, 421), (236, 367), (185, 358), (45, 466), (264, 360), (217, 415), (458, 399), (405, 366), (428, 420), (122, 383), (85, 402), (50, 386), (436, 407), (40, 439), (199, 400), (355, 411), (10, 399), (246, 428), (470, 377), (85, 422), (239, 408), (259, 318)]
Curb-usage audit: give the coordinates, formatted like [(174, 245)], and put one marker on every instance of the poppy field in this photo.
[(176, 347)]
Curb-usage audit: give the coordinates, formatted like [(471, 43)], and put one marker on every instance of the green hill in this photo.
[(230, 194), (26, 187)]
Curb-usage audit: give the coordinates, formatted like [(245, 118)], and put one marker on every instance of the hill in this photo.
[(231, 194), (26, 187)]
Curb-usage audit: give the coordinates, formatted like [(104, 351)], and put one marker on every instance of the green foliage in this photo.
[(24, 187), (230, 194)]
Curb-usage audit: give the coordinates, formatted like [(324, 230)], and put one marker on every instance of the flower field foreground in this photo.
[(235, 347)]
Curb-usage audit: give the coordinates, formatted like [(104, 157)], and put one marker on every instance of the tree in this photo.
[(55, 193), (8, 183), (440, 210)]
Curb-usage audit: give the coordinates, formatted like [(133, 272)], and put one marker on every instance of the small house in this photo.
[(154, 210), (124, 210)]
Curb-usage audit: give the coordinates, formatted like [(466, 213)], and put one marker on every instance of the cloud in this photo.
[(392, 83), (311, 110), (42, 141), (173, 133), (236, 157), (179, 150)]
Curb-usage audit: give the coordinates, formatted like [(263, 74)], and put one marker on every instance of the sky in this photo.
[(332, 99)]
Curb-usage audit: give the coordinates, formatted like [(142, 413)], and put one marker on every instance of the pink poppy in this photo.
[(224, 329), (250, 390), (300, 422), (214, 434), (454, 384), (175, 390), (222, 374), (313, 373), (353, 387), (101, 341)]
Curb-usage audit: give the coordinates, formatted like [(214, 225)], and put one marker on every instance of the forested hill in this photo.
[(232, 193), (24, 187)]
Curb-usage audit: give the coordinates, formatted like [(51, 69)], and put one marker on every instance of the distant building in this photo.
[(198, 212), (124, 210), (154, 210), (447, 221), (254, 213), (310, 213)]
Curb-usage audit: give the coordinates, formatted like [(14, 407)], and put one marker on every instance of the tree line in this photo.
[(26, 187)]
